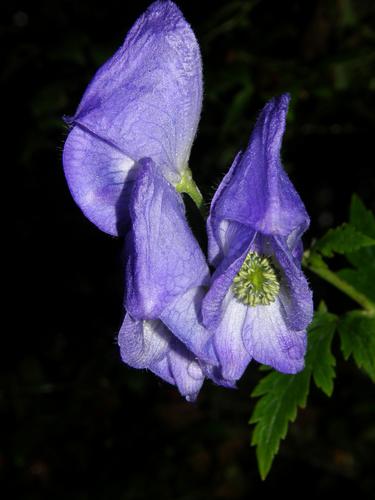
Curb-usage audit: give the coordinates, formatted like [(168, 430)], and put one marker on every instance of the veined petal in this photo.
[(213, 305), (149, 344), (183, 318), (143, 343), (99, 176), (165, 259), (257, 192), (186, 371), (228, 342), (144, 101), (257, 214), (219, 228), (162, 369), (295, 295), (268, 339)]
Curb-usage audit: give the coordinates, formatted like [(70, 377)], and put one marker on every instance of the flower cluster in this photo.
[(125, 160)]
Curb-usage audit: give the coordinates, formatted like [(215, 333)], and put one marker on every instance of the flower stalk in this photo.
[(315, 264), (188, 186)]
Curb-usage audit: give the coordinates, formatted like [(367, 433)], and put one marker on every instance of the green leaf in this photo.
[(364, 221), (319, 359), (357, 334), (361, 218), (343, 239), (281, 395)]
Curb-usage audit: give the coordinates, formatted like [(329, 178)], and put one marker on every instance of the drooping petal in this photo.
[(213, 305), (257, 192), (221, 231), (144, 101), (149, 344), (260, 333), (100, 178), (269, 340), (143, 343), (186, 371), (165, 260), (228, 341), (183, 317), (295, 295)]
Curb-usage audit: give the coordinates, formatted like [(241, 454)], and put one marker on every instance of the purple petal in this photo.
[(149, 344), (219, 228), (165, 259), (186, 371), (295, 295), (183, 318), (257, 332), (213, 303), (145, 101), (257, 192), (143, 342), (100, 178), (269, 340), (162, 369), (228, 342)]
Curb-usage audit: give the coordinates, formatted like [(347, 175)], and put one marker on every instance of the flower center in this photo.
[(256, 282)]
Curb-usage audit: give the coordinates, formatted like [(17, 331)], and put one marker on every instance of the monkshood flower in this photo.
[(259, 303), (166, 277), (143, 102)]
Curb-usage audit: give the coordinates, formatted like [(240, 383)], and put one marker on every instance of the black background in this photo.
[(75, 422)]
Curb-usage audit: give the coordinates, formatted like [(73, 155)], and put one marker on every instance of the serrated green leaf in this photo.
[(319, 359), (364, 221), (361, 218), (357, 334), (281, 395), (343, 239)]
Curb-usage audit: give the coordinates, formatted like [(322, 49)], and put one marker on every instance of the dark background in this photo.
[(75, 422)]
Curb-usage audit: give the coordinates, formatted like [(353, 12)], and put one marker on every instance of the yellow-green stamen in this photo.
[(256, 283)]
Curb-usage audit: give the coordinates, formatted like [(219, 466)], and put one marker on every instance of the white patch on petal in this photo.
[(125, 165), (88, 198), (223, 228)]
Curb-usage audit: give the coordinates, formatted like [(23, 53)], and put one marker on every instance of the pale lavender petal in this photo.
[(186, 371), (256, 208), (162, 369), (213, 305), (257, 191), (183, 318), (165, 259), (149, 344), (295, 295), (270, 341), (144, 101), (228, 342), (219, 228), (99, 176), (143, 342)]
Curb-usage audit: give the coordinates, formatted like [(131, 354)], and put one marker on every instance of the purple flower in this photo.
[(259, 303), (166, 277), (143, 102)]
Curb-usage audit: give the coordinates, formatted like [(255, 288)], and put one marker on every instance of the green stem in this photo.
[(323, 272), (188, 186)]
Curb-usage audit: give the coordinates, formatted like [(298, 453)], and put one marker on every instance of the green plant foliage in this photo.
[(281, 395), (357, 334), (356, 240), (320, 360), (362, 276), (343, 239)]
